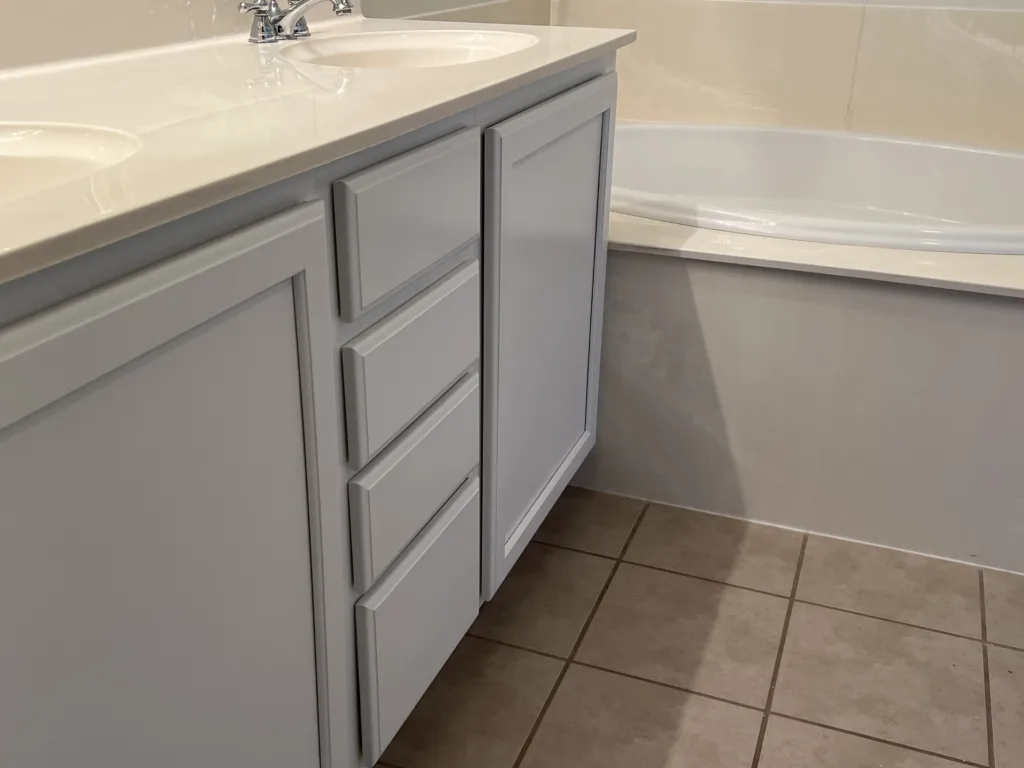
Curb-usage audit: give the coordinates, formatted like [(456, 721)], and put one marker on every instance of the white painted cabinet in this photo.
[(545, 203), (162, 482)]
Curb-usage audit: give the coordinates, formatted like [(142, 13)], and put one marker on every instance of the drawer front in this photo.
[(410, 622), (401, 365), (401, 489), (398, 218)]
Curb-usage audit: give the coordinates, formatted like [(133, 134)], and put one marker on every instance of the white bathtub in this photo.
[(822, 186)]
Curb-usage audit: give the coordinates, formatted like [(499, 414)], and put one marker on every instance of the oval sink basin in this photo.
[(38, 156), (405, 50)]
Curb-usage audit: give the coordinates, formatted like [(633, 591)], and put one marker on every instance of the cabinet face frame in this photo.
[(505, 145), (41, 361)]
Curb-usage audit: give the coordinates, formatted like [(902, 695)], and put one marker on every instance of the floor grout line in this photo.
[(707, 579), (784, 597), (518, 647), (778, 658), (984, 665), (579, 641), (731, 702), (878, 740), (670, 686), (574, 549)]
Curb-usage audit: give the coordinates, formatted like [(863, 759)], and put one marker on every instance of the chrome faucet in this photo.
[(272, 22)]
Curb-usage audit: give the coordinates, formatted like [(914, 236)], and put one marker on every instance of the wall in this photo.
[(52, 30), (948, 75), (845, 407)]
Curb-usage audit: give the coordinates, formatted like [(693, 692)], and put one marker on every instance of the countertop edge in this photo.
[(66, 246)]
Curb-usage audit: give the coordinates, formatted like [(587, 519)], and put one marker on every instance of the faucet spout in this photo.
[(271, 22), (290, 19)]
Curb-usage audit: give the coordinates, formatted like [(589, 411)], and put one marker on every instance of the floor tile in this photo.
[(478, 711), (1004, 608), (719, 548), (601, 720), (789, 744), (694, 634), (886, 680), (590, 521), (890, 584), (545, 600), (1006, 674)]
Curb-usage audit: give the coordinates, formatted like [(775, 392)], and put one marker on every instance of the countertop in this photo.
[(223, 117)]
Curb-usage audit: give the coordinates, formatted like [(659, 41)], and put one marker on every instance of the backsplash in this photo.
[(940, 74), (53, 30)]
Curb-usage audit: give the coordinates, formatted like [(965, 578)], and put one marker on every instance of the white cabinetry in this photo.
[(161, 480), (545, 203)]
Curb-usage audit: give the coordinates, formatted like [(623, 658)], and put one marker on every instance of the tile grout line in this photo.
[(574, 549), (778, 658), (579, 641), (984, 666), (699, 694), (877, 740), (507, 644), (801, 601)]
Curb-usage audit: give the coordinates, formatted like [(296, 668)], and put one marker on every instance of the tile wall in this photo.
[(941, 74), (53, 30)]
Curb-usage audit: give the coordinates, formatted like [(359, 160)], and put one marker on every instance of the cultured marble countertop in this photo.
[(219, 118)]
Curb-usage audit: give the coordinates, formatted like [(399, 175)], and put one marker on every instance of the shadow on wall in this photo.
[(656, 361)]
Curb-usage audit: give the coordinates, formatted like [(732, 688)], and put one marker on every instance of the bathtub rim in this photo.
[(985, 273)]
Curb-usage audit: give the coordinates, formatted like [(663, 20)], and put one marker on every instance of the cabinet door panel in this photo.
[(155, 559), (544, 286)]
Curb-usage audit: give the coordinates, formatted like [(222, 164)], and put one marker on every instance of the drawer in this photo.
[(401, 365), (398, 218), (410, 622), (401, 489)]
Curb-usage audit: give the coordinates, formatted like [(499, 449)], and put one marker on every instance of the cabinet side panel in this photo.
[(154, 560), (548, 226)]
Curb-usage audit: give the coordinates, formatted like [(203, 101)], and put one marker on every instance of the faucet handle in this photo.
[(259, 7), (342, 7)]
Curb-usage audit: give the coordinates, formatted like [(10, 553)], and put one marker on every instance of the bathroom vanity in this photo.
[(267, 444)]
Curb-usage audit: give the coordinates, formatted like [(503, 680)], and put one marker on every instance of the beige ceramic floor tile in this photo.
[(719, 548), (601, 720), (1004, 608), (591, 521), (478, 712), (890, 584), (1006, 674), (789, 744), (545, 601), (898, 683), (704, 637)]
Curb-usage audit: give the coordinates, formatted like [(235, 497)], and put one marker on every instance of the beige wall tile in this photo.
[(947, 75), (501, 12), (730, 62), (51, 30)]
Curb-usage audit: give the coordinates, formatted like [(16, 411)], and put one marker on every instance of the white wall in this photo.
[(883, 413)]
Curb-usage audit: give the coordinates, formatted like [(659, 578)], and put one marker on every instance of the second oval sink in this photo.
[(404, 50), (39, 156)]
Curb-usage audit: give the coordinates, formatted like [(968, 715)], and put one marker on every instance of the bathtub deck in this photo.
[(647, 636)]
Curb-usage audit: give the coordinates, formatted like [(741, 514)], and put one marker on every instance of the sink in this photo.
[(38, 156), (408, 50)]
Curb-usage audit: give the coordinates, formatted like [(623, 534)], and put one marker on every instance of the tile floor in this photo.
[(643, 636)]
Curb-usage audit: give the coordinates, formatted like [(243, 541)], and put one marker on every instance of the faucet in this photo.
[(272, 22)]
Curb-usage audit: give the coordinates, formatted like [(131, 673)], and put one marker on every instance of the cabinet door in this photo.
[(161, 483), (545, 216)]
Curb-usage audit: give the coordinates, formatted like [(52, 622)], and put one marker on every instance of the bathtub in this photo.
[(766, 358), (822, 186)]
